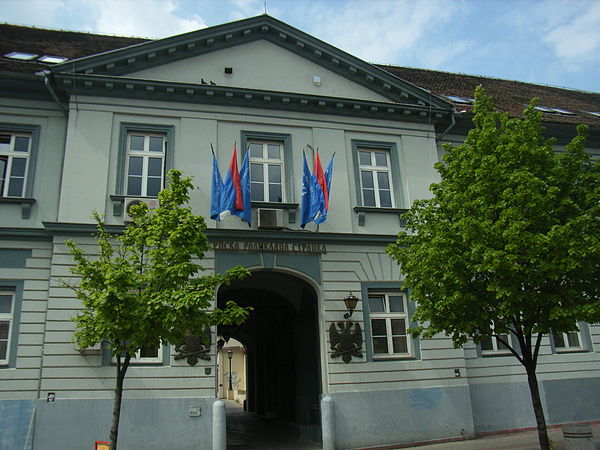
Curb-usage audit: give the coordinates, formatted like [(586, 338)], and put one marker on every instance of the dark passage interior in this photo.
[(281, 341)]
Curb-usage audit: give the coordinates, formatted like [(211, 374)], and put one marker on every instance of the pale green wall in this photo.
[(93, 149), (46, 179), (259, 65)]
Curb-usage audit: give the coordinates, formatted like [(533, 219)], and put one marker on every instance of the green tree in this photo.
[(510, 242), (145, 286)]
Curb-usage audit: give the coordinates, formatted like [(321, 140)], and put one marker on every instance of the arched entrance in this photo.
[(281, 341)]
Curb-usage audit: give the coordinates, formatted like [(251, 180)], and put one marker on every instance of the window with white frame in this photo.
[(15, 149), (493, 344), (375, 177), (567, 341), (388, 314), (7, 301), (146, 355), (267, 182), (145, 165)]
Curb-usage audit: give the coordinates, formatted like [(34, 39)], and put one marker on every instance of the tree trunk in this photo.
[(121, 370), (537, 405)]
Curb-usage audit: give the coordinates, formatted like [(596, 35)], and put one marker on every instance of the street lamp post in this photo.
[(230, 355)]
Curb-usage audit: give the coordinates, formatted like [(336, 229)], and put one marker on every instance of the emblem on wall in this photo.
[(347, 342), (194, 348)]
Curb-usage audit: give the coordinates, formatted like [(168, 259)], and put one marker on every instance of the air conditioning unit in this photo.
[(270, 219), (130, 201)]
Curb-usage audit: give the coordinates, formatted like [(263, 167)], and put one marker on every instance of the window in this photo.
[(15, 151), (567, 341), (267, 180), (389, 324), (375, 177), (271, 168), (492, 344), (7, 301), (145, 164), (146, 355)]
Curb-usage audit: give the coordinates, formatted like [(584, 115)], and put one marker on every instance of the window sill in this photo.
[(291, 208), (363, 210), (494, 353), (23, 201), (394, 358), (571, 350)]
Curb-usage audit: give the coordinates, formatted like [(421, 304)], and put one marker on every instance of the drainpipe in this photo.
[(452, 123), (43, 75)]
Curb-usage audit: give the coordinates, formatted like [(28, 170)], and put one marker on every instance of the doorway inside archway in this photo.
[(281, 344)]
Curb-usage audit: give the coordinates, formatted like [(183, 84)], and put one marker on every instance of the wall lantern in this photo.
[(351, 301)]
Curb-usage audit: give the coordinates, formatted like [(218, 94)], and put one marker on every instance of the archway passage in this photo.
[(282, 346)]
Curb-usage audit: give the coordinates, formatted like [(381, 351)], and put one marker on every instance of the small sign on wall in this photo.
[(102, 445)]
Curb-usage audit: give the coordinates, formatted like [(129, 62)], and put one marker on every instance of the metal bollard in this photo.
[(219, 426), (578, 437), (328, 423)]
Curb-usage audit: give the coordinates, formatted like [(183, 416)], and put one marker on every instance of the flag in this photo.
[(327, 176), (307, 204), (216, 195), (246, 213), (232, 188), (321, 199)]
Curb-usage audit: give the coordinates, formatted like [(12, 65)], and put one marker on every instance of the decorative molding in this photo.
[(194, 347)]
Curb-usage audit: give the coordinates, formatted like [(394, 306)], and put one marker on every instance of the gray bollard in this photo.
[(578, 437), (219, 426), (328, 423)]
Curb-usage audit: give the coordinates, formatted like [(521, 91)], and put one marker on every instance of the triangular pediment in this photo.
[(264, 54)]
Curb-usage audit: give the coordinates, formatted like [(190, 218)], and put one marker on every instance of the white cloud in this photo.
[(41, 13), (143, 18), (577, 40), (361, 27), (246, 8)]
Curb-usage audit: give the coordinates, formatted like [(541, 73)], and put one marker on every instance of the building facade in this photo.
[(102, 128)]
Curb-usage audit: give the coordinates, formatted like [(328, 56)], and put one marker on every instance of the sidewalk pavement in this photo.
[(516, 440)]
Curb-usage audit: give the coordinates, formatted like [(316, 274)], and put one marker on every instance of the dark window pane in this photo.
[(3, 165), (399, 344), (364, 158), (559, 340), (376, 304), (367, 179), (134, 186), (136, 142), (135, 165), (378, 327), (486, 343), (369, 197), (380, 345), (396, 303), (273, 150), (499, 344), (256, 172), (274, 174), (385, 199), (3, 347), (4, 326), (573, 339), (155, 167), (380, 159), (5, 304), (398, 326), (156, 144), (275, 194), (256, 150), (256, 192), (15, 188), (148, 352), (4, 141), (18, 167), (154, 186), (21, 144), (383, 180)]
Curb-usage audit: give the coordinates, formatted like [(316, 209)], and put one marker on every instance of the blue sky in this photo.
[(555, 42)]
